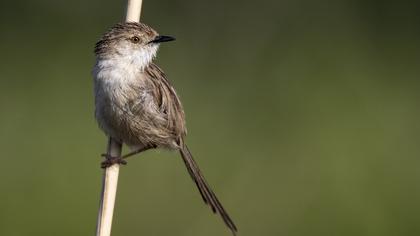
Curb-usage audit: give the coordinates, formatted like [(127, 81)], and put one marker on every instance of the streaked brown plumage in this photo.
[(135, 104)]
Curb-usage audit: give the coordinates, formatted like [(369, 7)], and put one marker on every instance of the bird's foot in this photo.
[(110, 160)]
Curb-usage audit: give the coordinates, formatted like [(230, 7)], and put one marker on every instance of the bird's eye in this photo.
[(135, 39)]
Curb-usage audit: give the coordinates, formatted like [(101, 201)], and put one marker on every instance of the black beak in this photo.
[(162, 38)]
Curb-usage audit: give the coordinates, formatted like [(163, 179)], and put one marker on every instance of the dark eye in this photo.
[(135, 39)]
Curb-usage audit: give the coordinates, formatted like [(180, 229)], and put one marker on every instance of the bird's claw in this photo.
[(110, 160)]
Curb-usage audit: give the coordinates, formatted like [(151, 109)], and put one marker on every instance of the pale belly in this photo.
[(126, 107), (130, 114)]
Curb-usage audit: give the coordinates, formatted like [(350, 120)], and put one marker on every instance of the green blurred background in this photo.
[(304, 116)]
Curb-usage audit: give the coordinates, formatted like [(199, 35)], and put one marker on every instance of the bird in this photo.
[(136, 105)]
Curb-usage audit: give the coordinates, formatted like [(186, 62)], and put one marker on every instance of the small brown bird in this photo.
[(136, 105)]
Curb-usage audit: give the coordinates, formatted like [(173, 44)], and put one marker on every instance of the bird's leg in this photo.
[(142, 149), (110, 160)]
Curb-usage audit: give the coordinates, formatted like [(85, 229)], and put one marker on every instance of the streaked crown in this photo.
[(129, 34)]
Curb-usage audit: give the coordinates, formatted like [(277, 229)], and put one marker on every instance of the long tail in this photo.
[(206, 193)]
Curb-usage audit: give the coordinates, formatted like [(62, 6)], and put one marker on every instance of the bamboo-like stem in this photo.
[(110, 176), (133, 10), (109, 191)]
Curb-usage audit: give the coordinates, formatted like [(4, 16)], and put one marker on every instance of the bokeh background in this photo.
[(303, 115)]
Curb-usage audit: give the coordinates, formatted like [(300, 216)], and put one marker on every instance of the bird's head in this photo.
[(135, 43)]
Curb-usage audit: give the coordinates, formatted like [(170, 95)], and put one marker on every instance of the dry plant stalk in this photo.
[(110, 176)]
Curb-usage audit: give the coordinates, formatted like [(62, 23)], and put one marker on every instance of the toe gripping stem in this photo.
[(110, 160)]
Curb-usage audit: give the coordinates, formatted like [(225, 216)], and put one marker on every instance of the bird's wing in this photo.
[(167, 99)]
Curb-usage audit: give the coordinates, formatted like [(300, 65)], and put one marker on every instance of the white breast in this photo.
[(124, 66), (116, 80)]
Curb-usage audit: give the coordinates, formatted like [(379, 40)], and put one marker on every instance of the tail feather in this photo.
[(206, 193)]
